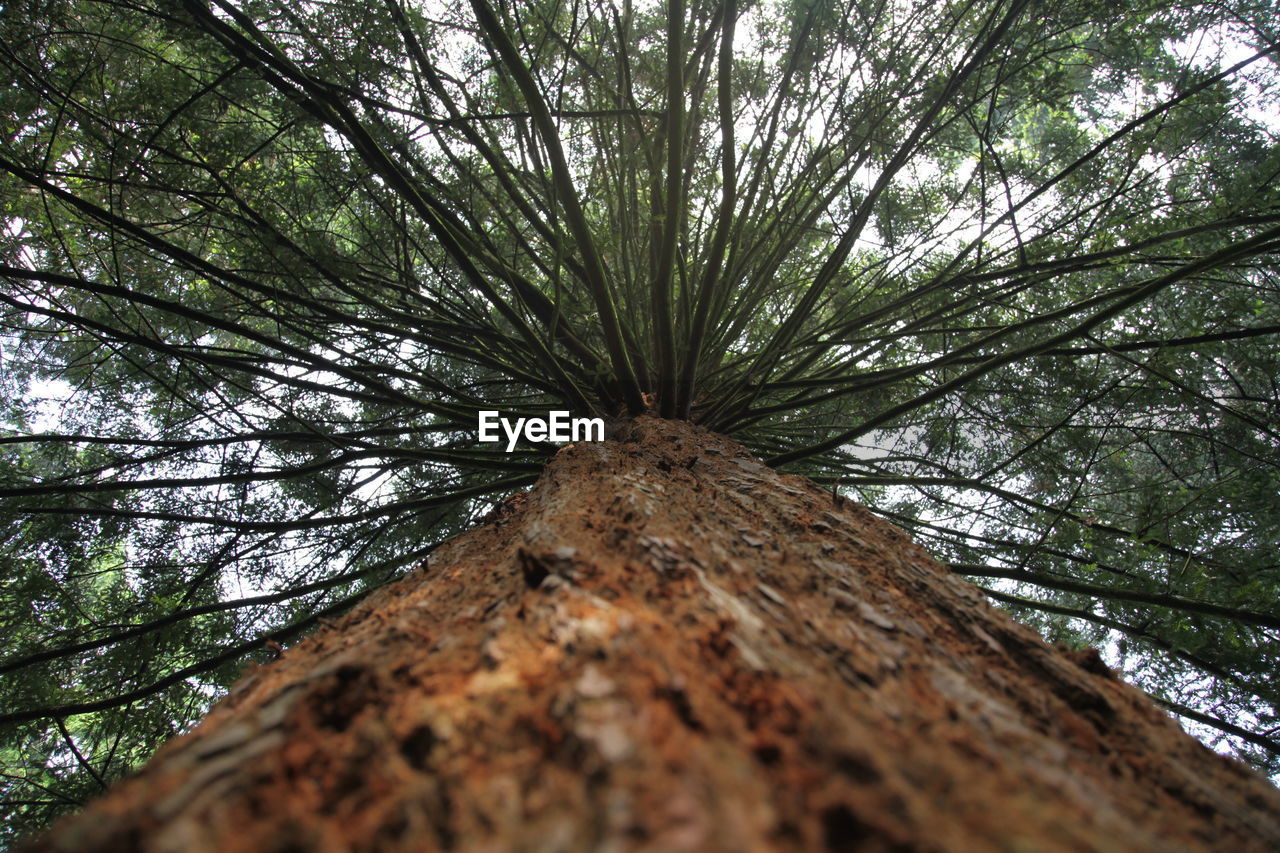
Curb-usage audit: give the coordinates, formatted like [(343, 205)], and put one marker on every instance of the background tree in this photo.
[(1004, 271)]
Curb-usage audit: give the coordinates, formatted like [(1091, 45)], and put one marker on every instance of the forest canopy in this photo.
[(1005, 272)]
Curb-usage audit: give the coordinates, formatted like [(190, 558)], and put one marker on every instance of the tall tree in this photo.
[(1004, 271), (666, 645)]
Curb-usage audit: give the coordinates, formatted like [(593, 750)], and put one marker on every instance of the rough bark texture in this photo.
[(668, 646)]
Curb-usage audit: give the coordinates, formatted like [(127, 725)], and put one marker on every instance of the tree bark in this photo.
[(668, 646)]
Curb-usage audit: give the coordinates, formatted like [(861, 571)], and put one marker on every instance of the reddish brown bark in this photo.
[(667, 646)]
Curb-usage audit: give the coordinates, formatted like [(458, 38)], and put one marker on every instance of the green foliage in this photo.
[(1005, 270)]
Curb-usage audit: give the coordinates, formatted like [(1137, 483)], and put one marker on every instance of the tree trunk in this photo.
[(668, 646)]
